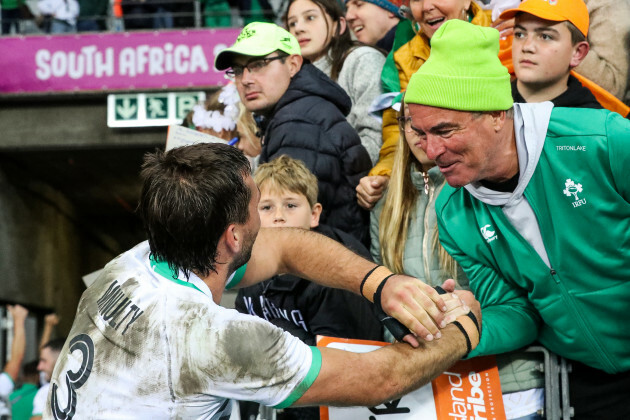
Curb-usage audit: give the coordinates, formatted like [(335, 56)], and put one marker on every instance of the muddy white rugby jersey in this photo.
[(147, 346)]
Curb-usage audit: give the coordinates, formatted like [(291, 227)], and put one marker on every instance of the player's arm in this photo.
[(369, 379), (320, 259)]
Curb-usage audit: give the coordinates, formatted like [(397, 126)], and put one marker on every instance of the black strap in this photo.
[(365, 279), (463, 330)]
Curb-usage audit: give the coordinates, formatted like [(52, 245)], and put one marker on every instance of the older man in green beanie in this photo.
[(537, 212)]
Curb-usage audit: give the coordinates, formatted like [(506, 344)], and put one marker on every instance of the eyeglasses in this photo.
[(253, 66)]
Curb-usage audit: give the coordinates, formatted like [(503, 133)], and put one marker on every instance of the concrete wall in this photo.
[(43, 253), (46, 242)]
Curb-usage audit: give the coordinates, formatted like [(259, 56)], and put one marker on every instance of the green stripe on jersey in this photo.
[(162, 268), (316, 365), (237, 277)]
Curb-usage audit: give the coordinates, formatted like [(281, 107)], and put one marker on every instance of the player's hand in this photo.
[(370, 190), (18, 312), (51, 319), (416, 305)]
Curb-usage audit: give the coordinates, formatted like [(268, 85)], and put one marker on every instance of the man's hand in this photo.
[(370, 190), (18, 312), (416, 305)]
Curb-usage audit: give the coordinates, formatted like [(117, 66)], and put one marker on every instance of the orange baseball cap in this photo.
[(574, 11)]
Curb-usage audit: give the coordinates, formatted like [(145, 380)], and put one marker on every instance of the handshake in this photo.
[(455, 310)]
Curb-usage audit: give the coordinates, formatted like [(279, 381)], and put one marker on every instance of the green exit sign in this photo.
[(150, 109)]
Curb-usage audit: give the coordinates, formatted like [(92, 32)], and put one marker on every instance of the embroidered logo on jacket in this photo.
[(488, 235), (572, 189)]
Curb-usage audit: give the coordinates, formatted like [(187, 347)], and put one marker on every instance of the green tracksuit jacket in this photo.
[(579, 191)]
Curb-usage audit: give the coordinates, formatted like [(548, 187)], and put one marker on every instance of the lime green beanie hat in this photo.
[(463, 71)]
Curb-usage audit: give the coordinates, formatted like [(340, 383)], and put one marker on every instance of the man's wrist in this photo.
[(373, 280), (468, 326)]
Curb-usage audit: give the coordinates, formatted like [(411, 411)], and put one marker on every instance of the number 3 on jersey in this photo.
[(74, 379)]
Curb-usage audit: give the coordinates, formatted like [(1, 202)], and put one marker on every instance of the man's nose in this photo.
[(433, 147)]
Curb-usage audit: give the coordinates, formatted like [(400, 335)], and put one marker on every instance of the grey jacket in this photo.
[(360, 77)]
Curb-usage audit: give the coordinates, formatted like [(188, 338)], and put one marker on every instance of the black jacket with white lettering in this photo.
[(309, 123), (306, 309)]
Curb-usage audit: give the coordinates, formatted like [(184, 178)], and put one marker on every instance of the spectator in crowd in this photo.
[(157, 305), (92, 15), (216, 13), (557, 30), (21, 399), (304, 117), (404, 236), (537, 213), (58, 16), (321, 30), (11, 15), (48, 356), (224, 116), (607, 62), (162, 11), (137, 14), (429, 15), (11, 369), (549, 41), (288, 198), (256, 11), (374, 22)]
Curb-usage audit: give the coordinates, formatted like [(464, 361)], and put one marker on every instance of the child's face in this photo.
[(287, 209), (312, 27), (542, 51)]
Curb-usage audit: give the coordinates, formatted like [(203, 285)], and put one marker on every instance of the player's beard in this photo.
[(246, 252)]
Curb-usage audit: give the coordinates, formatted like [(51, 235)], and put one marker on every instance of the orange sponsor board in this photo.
[(469, 390)]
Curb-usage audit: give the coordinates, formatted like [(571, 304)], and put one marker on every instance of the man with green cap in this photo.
[(303, 115), (537, 213)]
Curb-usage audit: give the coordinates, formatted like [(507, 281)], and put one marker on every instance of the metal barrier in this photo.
[(556, 371)]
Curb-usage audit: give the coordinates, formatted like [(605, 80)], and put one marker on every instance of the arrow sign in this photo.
[(128, 110)]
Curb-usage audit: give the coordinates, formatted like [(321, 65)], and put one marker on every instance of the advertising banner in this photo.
[(468, 390), (113, 61)]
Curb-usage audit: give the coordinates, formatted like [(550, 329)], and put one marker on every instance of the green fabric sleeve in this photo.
[(509, 320), (618, 132), (316, 365)]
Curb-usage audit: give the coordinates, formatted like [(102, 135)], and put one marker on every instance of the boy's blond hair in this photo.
[(286, 173)]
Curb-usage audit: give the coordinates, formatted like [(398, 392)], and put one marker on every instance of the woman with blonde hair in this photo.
[(403, 225)]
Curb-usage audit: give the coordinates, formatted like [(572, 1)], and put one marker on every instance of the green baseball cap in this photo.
[(258, 39)]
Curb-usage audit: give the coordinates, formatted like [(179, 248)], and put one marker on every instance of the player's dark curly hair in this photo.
[(190, 195)]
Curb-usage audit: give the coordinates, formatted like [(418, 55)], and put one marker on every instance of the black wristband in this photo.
[(463, 330), (379, 290), (474, 319), (469, 314), (365, 279)]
